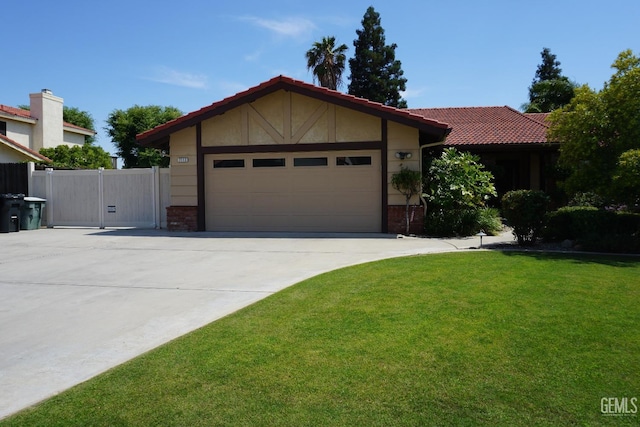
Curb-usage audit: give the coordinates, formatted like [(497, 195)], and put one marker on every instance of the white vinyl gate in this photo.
[(103, 198)]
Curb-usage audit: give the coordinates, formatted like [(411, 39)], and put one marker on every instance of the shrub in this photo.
[(524, 211), (587, 199), (594, 229), (462, 222), (458, 188)]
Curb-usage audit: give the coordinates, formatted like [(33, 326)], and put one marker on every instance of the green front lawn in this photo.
[(482, 338)]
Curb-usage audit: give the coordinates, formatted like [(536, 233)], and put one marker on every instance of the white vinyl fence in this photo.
[(103, 198)]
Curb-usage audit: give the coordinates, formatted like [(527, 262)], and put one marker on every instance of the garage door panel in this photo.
[(270, 204), (325, 198), (266, 183), (231, 222), (235, 203)]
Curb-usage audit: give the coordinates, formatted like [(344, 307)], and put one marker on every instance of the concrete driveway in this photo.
[(76, 302)]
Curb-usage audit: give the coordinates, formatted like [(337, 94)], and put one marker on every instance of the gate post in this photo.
[(49, 192), (101, 197)]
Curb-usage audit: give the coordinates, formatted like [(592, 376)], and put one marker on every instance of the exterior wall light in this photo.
[(403, 155), (183, 160)]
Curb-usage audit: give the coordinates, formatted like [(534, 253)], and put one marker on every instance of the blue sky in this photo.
[(106, 55)]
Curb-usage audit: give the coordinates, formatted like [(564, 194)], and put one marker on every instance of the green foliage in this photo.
[(327, 62), (549, 68), (463, 222), (458, 189), (86, 156), (594, 229), (124, 125), (596, 128), (79, 118), (549, 95), (626, 178), (524, 211), (457, 180), (587, 199), (375, 73), (549, 90), (409, 183)]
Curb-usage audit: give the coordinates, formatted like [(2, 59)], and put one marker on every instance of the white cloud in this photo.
[(293, 27), (178, 78), (412, 93)]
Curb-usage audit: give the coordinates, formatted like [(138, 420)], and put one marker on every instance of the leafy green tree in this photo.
[(86, 156), (458, 190), (375, 73), (409, 183), (626, 179), (79, 118), (596, 128), (549, 90), (327, 62), (124, 125)]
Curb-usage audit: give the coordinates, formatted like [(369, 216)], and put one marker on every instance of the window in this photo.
[(3, 128), (310, 161), (353, 161), (231, 163), (268, 163)]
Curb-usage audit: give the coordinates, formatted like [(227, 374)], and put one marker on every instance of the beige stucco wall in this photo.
[(19, 132), (71, 139), (47, 108), (401, 138), (184, 190), (8, 155)]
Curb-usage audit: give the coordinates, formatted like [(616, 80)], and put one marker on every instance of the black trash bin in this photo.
[(10, 205)]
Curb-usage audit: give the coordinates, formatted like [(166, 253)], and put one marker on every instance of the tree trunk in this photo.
[(406, 216)]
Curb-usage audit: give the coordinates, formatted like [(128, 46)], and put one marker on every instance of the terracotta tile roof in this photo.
[(434, 126), (16, 111), (488, 125), (19, 112), (540, 117), (26, 150)]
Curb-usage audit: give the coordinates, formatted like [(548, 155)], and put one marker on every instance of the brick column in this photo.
[(182, 218), (396, 219)]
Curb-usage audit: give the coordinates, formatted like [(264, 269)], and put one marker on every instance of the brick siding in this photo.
[(396, 219), (182, 218)]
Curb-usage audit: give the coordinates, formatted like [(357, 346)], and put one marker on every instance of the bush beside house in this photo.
[(524, 211), (594, 229)]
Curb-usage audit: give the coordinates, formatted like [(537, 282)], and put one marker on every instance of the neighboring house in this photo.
[(24, 132), (511, 144), (290, 156)]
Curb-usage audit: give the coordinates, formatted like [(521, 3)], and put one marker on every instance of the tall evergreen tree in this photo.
[(375, 73), (327, 62), (549, 89), (549, 69)]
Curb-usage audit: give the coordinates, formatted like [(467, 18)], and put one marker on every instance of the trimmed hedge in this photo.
[(594, 229)]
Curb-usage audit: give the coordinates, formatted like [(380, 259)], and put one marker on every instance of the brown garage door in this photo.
[(315, 191)]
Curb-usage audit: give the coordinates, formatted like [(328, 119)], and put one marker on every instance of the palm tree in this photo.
[(327, 62)]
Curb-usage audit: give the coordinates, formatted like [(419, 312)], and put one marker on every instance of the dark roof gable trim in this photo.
[(159, 135)]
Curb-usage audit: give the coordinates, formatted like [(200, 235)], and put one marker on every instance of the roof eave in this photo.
[(156, 137)]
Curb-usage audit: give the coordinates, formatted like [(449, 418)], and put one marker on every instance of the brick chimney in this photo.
[(47, 108)]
